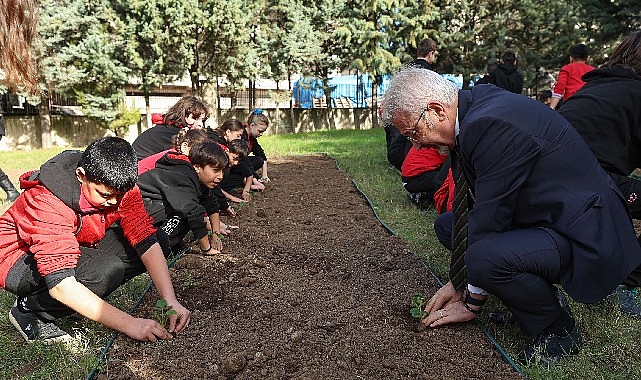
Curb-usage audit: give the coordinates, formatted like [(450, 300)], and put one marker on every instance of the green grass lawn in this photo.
[(612, 343)]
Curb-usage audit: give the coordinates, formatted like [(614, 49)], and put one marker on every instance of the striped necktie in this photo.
[(458, 274)]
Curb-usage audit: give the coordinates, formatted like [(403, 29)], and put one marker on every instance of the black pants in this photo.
[(102, 270), (422, 183), (257, 162), (520, 267)]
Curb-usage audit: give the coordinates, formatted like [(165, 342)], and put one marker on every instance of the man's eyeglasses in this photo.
[(413, 131)]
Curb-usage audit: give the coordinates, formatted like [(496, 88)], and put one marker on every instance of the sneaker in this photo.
[(32, 328), (549, 348), (421, 200), (629, 301), (414, 198)]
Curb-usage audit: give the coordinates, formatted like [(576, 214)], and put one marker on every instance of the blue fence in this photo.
[(358, 89)]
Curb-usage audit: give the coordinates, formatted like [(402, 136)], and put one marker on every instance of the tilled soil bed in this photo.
[(310, 286)]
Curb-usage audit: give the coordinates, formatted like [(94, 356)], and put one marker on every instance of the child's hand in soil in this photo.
[(216, 244), (146, 330), (179, 321), (246, 196), (224, 229), (229, 211), (236, 200)]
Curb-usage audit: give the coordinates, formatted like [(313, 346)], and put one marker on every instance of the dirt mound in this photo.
[(311, 286)]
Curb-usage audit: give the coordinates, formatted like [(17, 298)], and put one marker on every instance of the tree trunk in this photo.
[(148, 110), (374, 104), (43, 131)]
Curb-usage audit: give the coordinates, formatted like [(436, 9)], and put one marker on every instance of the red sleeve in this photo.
[(47, 226), (420, 161), (561, 83), (136, 223)]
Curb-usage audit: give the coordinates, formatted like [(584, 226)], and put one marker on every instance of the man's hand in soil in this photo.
[(446, 306)]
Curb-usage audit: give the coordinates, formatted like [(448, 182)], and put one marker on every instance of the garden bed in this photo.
[(311, 286)]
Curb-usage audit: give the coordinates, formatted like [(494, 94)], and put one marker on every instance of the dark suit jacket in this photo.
[(529, 168)]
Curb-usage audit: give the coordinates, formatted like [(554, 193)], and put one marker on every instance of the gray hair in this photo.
[(412, 88)]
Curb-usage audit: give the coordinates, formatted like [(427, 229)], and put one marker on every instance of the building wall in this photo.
[(78, 132)]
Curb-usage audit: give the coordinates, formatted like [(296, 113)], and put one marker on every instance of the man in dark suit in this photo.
[(538, 218)]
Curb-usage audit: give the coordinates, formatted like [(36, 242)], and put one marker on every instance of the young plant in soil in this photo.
[(417, 309), (162, 312)]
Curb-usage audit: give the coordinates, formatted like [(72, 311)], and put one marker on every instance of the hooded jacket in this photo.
[(505, 76), (609, 102), (51, 220), (173, 188), (606, 112)]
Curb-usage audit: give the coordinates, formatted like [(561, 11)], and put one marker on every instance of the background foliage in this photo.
[(91, 49)]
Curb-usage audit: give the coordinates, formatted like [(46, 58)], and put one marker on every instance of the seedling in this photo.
[(417, 305), (189, 280), (162, 312)]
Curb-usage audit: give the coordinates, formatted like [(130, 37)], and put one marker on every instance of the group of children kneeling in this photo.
[(89, 221)]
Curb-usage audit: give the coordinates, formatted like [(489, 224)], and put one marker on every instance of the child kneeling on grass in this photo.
[(77, 232), (178, 194)]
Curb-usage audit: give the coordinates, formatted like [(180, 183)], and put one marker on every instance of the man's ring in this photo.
[(440, 313)]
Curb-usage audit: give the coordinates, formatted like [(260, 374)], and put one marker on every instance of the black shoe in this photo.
[(32, 328), (7, 186), (421, 200), (549, 348), (11, 197)]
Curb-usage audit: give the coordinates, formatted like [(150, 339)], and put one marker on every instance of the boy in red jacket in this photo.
[(77, 232)]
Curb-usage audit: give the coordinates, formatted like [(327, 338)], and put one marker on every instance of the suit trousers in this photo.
[(102, 270), (520, 267)]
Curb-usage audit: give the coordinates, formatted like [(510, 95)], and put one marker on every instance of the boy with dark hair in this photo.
[(237, 174), (569, 80), (178, 194), (60, 254)]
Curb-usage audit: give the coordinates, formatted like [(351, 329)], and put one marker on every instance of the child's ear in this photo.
[(197, 168), (80, 174)]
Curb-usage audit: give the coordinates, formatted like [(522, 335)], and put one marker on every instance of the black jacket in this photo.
[(173, 188), (254, 146), (606, 113), (422, 64), (154, 140), (505, 76)]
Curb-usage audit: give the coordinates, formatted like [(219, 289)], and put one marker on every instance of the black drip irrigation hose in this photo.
[(487, 333), (94, 371)]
